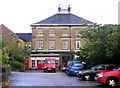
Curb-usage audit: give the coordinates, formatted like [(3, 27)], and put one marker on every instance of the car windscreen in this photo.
[(77, 65), (99, 67), (110, 67), (94, 67), (49, 62), (117, 68), (71, 62)]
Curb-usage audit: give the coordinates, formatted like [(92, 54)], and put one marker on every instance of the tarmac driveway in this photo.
[(38, 78)]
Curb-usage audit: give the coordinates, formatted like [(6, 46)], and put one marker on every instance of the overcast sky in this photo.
[(17, 15)]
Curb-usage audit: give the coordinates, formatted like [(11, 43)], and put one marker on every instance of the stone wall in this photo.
[(58, 36), (10, 38)]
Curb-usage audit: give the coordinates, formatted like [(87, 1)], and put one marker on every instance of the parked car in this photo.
[(90, 73), (74, 68), (68, 64), (111, 78), (63, 69), (49, 65)]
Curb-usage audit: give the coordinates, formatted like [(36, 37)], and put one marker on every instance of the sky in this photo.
[(18, 15)]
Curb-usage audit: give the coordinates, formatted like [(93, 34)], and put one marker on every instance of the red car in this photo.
[(111, 78)]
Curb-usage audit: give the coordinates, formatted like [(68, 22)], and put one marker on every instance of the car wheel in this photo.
[(44, 70), (54, 70), (67, 72), (87, 77), (111, 82)]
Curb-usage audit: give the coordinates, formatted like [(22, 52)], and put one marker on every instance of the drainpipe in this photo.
[(70, 44)]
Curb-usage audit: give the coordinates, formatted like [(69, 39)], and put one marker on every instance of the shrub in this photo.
[(17, 66)]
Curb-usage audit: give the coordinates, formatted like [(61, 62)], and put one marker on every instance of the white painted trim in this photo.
[(51, 50), (58, 24)]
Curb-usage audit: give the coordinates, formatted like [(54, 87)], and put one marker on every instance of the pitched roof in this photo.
[(25, 36), (63, 19)]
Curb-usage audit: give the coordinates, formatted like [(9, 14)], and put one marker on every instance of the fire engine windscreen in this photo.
[(49, 62)]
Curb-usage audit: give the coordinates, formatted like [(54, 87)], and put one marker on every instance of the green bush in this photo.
[(17, 66)]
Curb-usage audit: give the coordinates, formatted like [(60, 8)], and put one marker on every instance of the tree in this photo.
[(101, 45), (11, 53), (113, 44)]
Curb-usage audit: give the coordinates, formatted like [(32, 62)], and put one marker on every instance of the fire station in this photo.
[(57, 36)]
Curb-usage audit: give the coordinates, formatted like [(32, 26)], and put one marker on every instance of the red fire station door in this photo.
[(26, 64)]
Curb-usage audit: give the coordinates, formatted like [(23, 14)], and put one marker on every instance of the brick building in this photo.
[(10, 39), (57, 36), (26, 37)]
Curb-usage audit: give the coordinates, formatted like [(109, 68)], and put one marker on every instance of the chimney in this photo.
[(59, 8), (65, 11), (69, 8)]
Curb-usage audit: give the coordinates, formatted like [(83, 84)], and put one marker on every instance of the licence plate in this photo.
[(49, 68), (76, 71)]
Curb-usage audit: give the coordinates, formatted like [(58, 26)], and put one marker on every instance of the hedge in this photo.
[(17, 66)]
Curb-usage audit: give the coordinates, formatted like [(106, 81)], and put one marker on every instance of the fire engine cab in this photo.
[(49, 65)]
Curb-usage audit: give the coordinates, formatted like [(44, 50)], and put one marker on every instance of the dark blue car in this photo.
[(74, 68)]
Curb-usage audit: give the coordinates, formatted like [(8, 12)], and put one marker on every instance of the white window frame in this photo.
[(78, 44), (33, 63), (65, 44), (64, 31), (51, 31), (40, 31), (40, 44), (52, 44)]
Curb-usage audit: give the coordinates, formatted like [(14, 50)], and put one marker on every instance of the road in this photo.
[(38, 78)]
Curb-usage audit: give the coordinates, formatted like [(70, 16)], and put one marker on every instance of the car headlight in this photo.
[(63, 68), (100, 75), (80, 72), (53, 67)]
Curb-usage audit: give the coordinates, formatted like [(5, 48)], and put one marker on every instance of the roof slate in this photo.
[(63, 19), (25, 36)]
